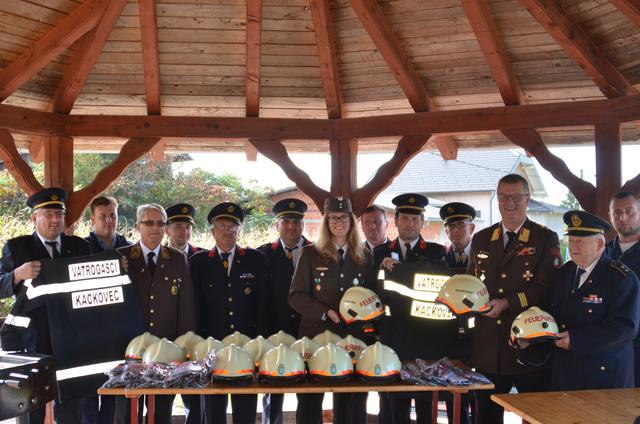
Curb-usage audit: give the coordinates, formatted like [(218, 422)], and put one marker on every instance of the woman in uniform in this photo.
[(326, 269)]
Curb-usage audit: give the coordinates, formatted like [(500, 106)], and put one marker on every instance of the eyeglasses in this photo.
[(52, 214), (515, 198), (334, 219), (151, 223), (457, 226)]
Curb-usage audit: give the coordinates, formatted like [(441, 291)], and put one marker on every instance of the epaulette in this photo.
[(622, 268)]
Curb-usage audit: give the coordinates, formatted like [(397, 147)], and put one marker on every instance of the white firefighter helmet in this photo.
[(189, 340), (326, 337), (202, 349), (236, 338), (330, 362), (534, 326), (139, 344), (165, 351), (360, 304), (378, 363), (305, 348), (282, 337), (464, 294), (233, 364), (354, 347), (281, 364), (257, 347)]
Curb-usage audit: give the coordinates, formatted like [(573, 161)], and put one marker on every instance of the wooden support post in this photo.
[(19, 169), (343, 167), (58, 163), (608, 165)]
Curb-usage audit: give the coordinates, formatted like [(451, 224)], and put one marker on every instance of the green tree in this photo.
[(570, 202)]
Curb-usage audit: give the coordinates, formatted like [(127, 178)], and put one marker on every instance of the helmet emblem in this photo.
[(333, 369), (377, 370), (280, 369), (575, 220)]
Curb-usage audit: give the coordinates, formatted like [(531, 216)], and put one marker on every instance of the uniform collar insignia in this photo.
[(392, 245), (275, 245), (306, 242), (422, 243), (524, 235), (164, 252), (496, 234), (212, 253), (241, 250), (135, 252)]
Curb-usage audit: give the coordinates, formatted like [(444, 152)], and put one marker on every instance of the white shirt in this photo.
[(230, 259), (372, 247), (505, 237), (626, 246), (466, 251), (587, 271), (403, 247), (295, 253), (146, 250), (46, 246)]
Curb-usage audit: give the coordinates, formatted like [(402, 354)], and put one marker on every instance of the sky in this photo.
[(580, 160)]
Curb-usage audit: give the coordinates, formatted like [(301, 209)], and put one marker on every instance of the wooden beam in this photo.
[(254, 37), (58, 163), (149, 36), (531, 141), (251, 152), (157, 152), (16, 165), (630, 8), (494, 51), (608, 166), (55, 41), (383, 36), (344, 176), (447, 146), (579, 47), (130, 152), (36, 149), (275, 150), (408, 147), (84, 57), (29, 121), (321, 14)]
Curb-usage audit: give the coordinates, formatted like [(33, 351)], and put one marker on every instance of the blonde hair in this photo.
[(327, 248)]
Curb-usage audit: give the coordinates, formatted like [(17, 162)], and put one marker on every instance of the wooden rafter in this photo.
[(325, 41), (631, 9), (447, 146), (343, 166), (149, 36), (275, 150), (580, 47), (252, 80), (16, 165), (60, 37), (493, 49), (130, 152)]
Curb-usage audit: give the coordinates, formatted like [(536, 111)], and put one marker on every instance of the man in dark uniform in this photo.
[(104, 217), (596, 303), (162, 278), (230, 284), (408, 247), (373, 223), (459, 227), (514, 258), (21, 261), (624, 214), (281, 258), (179, 225)]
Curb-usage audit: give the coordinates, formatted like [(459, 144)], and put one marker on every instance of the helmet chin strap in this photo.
[(529, 362)]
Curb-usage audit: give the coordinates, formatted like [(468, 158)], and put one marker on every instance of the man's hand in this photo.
[(563, 341), (333, 316), (389, 263), (26, 271), (497, 307)]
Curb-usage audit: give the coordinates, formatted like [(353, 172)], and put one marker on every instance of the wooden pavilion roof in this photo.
[(318, 59)]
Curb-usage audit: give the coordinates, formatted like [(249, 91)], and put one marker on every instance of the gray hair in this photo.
[(154, 206)]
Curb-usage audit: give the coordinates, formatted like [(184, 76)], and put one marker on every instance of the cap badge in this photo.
[(185, 209), (575, 220), (54, 197), (450, 209), (412, 200), (292, 205), (230, 209)]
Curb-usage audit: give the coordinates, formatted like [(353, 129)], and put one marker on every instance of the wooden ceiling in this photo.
[(316, 59)]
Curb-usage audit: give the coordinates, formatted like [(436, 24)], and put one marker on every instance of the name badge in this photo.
[(99, 297)]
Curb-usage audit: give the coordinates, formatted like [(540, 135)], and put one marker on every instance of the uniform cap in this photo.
[(290, 208), (584, 224), (457, 211), (227, 210), (50, 198), (411, 203), (181, 212), (337, 204)]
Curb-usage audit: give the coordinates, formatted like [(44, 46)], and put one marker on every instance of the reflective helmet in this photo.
[(202, 349), (282, 337), (378, 363), (164, 351), (330, 362), (305, 348), (464, 294), (139, 344), (257, 347), (233, 364), (236, 338), (360, 304), (534, 326), (354, 347), (326, 337), (189, 340), (280, 364)]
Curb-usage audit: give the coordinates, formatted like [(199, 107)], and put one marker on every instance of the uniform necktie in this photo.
[(151, 264), (225, 259), (576, 279), (461, 256), (511, 235), (290, 251), (341, 256), (54, 248), (407, 250)]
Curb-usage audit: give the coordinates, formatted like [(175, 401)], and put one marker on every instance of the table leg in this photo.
[(151, 408), (134, 410), (434, 406), (457, 407)]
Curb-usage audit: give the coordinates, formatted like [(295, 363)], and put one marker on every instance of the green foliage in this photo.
[(571, 202)]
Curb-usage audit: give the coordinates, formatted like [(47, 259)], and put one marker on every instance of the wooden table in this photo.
[(349, 387), (584, 406)]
